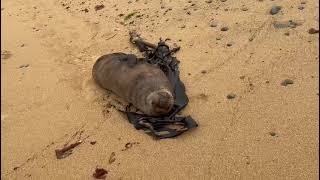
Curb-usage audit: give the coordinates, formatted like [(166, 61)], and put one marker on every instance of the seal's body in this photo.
[(139, 83)]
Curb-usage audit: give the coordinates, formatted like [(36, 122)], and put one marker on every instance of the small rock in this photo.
[(93, 142), (100, 173), (183, 26), (303, 2), (203, 71), (300, 7), (286, 82), (223, 0), (229, 44), (225, 28), (218, 38), (209, 1), (231, 96), (272, 133), (287, 33), (98, 7), (22, 45), (189, 13), (244, 9), (313, 31), (275, 9)]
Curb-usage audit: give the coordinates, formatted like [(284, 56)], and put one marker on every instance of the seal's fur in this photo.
[(139, 83)]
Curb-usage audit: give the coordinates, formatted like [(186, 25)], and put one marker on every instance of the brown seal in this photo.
[(137, 82)]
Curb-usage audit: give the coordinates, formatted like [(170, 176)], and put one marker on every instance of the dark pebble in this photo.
[(300, 7), (203, 71), (223, 0), (93, 142), (287, 33), (224, 28), (231, 96), (229, 44), (286, 82), (209, 1), (272, 133), (313, 31), (244, 9), (275, 9), (98, 7)]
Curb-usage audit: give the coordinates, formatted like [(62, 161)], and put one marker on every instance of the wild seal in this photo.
[(142, 84)]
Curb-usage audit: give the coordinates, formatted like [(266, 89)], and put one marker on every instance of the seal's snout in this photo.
[(162, 102)]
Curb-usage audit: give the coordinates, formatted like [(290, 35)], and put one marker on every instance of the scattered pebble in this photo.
[(218, 38), (286, 82), (229, 44), (98, 7), (100, 173), (183, 26), (203, 71), (300, 7), (225, 28), (272, 133), (275, 9), (22, 45), (303, 2), (209, 1), (313, 31), (85, 10), (244, 9), (223, 0), (287, 33), (112, 158), (93, 142), (231, 96)]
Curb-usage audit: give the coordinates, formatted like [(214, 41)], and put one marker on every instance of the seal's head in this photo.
[(160, 102)]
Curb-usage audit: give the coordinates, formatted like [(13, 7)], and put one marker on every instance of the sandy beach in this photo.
[(268, 62)]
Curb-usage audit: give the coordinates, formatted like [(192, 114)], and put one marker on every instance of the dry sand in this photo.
[(268, 131)]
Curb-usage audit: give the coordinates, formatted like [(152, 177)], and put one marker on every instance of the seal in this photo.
[(136, 81)]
